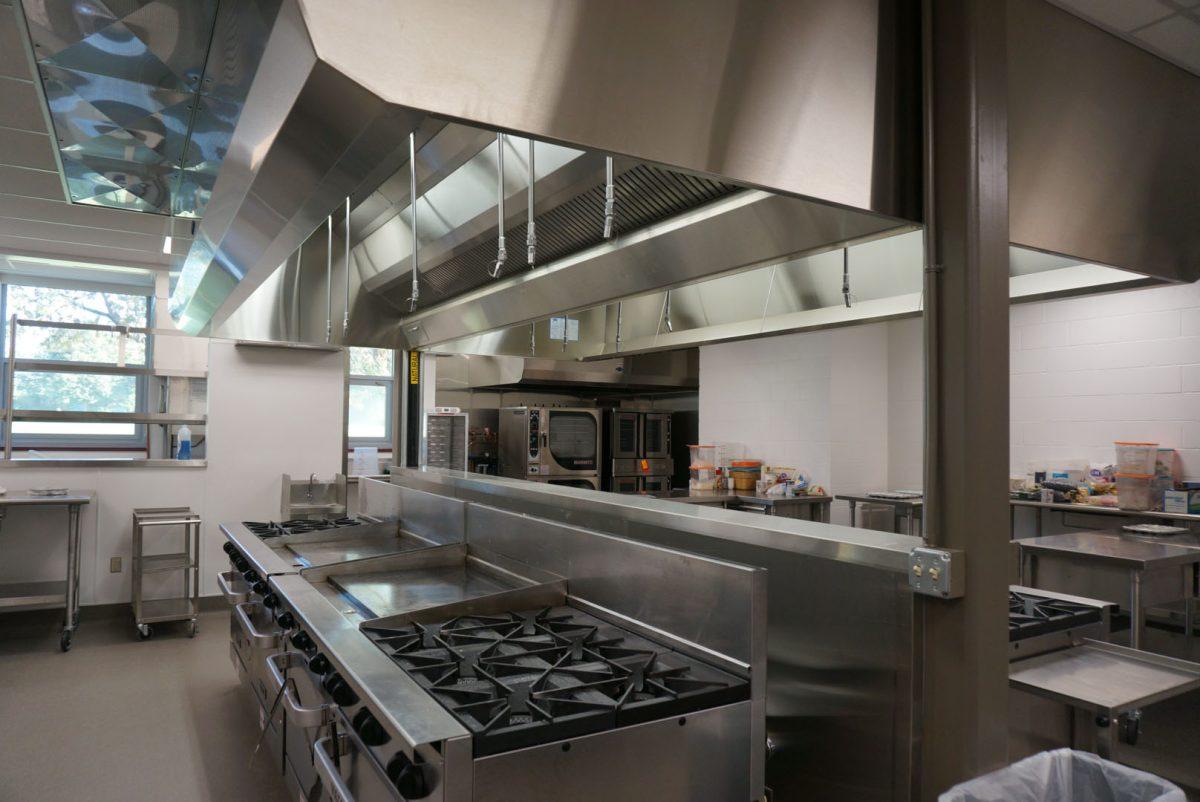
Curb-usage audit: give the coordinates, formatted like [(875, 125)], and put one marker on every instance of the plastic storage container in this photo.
[(745, 473), (702, 471), (1136, 458), (1135, 491), (1065, 775)]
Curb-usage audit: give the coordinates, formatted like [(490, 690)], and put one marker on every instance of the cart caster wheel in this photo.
[(192, 629), (145, 632), (65, 641), (1130, 727)]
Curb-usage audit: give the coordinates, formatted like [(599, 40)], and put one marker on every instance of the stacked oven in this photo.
[(555, 445), (637, 454)]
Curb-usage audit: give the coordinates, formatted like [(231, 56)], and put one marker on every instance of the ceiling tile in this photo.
[(32, 246), (1176, 39), (1119, 15), (13, 61), (20, 107), (30, 183), (25, 149), (91, 216)]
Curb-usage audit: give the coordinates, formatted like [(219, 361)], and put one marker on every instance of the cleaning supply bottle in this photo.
[(185, 443)]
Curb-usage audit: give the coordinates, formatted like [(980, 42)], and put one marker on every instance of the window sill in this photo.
[(101, 462)]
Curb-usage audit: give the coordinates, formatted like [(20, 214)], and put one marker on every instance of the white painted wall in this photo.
[(816, 401), (1091, 370), (271, 411), (906, 405)]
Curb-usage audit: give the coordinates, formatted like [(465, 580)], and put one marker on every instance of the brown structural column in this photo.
[(963, 693)]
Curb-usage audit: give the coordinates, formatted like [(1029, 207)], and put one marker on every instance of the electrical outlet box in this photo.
[(114, 565), (937, 572)]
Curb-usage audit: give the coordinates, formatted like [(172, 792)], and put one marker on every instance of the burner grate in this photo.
[(533, 677), (1030, 615), (298, 526)]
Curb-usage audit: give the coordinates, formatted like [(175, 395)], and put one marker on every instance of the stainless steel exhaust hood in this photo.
[(814, 98)]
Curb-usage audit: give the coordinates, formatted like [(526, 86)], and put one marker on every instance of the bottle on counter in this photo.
[(185, 443)]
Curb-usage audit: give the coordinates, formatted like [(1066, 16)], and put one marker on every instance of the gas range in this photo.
[(298, 526), (530, 677), (1042, 620)]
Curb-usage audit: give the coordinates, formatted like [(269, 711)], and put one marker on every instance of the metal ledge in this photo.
[(101, 462)]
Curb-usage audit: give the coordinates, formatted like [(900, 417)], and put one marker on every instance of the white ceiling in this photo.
[(35, 217), (1168, 28)]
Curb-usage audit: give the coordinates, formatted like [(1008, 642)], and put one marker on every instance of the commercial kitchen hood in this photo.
[(816, 99), (672, 371), (810, 98)]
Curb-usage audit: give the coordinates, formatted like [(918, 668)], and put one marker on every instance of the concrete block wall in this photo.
[(1122, 366)]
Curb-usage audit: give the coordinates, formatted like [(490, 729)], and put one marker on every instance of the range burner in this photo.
[(532, 677), (298, 526), (1030, 615)]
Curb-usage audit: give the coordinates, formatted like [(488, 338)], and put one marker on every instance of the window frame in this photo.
[(389, 384), (135, 441)]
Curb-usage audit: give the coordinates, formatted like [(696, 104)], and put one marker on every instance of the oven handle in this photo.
[(232, 596), (330, 776), (259, 640), (305, 717)]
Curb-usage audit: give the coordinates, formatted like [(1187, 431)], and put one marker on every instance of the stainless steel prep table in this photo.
[(911, 509), (40, 595), (1039, 507), (1105, 557), (812, 508), (1104, 684)]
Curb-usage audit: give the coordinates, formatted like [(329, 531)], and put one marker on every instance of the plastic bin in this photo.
[(702, 472), (1135, 491), (1065, 775), (1136, 457)]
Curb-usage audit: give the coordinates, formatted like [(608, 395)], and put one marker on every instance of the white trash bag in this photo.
[(1065, 775)]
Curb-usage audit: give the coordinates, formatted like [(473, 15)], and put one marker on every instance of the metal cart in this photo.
[(40, 595), (187, 561)]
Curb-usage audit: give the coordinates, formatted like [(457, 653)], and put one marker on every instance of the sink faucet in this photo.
[(312, 477)]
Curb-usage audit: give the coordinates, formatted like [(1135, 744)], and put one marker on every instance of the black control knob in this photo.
[(340, 690), (229, 549), (408, 778), (319, 664), (251, 576), (285, 619), (369, 728), (260, 588), (240, 563), (302, 641), (270, 601)]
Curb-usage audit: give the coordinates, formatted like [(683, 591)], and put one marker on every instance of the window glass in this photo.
[(371, 362), (78, 306), (75, 392), (368, 412)]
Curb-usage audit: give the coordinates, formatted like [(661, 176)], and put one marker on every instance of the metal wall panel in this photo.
[(1103, 161)]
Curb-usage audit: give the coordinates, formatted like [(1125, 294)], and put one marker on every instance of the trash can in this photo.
[(1065, 775)]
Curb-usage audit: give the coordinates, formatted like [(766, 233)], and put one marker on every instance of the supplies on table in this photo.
[(1167, 470), (1135, 491), (702, 471), (1185, 500), (745, 473)]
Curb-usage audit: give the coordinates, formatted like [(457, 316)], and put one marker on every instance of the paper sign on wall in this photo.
[(564, 329)]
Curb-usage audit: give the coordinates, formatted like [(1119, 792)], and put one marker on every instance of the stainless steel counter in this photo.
[(1039, 507), (910, 509), (1098, 564), (39, 595), (1104, 682), (815, 507)]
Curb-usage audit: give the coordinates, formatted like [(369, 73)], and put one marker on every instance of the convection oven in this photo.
[(549, 443)]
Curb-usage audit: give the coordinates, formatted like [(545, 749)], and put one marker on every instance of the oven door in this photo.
[(571, 442), (656, 435), (656, 484), (625, 435), (626, 484)]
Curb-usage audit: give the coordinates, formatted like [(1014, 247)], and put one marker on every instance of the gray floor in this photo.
[(119, 720)]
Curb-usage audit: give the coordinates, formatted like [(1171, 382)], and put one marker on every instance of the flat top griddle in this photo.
[(390, 592), (338, 551)]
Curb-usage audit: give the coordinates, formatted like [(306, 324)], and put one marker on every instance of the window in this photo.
[(369, 397), (56, 387)]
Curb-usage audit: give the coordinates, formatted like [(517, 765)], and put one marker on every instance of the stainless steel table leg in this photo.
[(1137, 615), (1037, 521), (1104, 736), (852, 515), (912, 520)]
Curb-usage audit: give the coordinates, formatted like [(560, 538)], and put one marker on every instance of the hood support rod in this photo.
[(346, 315), (610, 198), (530, 226), (501, 251), (412, 212), (329, 278)]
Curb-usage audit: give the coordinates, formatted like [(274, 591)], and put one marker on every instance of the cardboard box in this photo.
[(1183, 501)]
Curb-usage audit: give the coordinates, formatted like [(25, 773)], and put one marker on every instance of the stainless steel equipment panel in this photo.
[(656, 435)]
